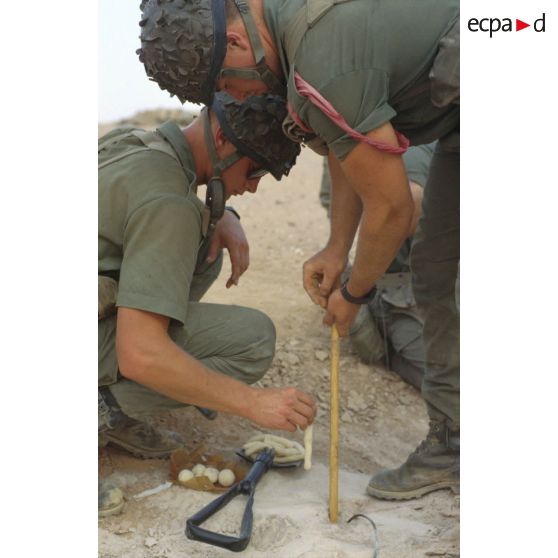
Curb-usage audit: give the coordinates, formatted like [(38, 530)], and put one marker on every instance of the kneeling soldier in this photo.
[(159, 347)]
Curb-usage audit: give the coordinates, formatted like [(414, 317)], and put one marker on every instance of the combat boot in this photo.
[(111, 499), (432, 466), (137, 437)]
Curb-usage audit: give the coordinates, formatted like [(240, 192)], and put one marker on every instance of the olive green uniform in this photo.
[(370, 59), (394, 60), (389, 326), (151, 231)]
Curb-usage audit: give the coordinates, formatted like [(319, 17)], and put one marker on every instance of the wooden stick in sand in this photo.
[(334, 428)]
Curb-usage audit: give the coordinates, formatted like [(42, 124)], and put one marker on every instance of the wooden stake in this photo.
[(334, 428)]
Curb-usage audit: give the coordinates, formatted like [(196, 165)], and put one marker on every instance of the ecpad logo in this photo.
[(493, 25)]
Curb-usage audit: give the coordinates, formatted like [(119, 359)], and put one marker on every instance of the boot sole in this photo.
[(143, 454), (411, 494)]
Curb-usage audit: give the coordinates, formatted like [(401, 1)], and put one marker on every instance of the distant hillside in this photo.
[(150, 119)]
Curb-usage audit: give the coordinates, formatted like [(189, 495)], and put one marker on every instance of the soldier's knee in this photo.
[(262, 345)]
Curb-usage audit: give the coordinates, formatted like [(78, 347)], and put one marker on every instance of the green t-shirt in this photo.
[(370, 59), (150, 221), (417, 161)]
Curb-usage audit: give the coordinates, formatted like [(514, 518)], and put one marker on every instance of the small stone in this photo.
[(391, 376), (150, 542), (321, 355), (356, 401), (406, 399), (151, 532), (292, 359), (363, 368), (346, 417), (123, 530), (280, 356)]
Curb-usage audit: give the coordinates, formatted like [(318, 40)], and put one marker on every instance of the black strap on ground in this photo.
[(375, 533)]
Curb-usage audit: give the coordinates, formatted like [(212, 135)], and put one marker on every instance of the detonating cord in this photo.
[(374, 533)]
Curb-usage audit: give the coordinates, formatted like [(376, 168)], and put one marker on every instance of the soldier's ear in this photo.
[(220, 138), (237, 41)]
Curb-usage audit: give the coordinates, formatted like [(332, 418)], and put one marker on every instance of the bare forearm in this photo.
[(147, 355), (346, 209), (176, 374), (380, 181), (381, 234)]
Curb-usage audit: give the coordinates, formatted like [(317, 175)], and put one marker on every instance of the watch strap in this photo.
[(356, 299)]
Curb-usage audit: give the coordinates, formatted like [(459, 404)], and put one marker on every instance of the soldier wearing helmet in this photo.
[(160, 348), (364, 80)]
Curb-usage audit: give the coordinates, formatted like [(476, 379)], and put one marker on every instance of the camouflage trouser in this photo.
[(435, 266), (385, 333), (237, 341)]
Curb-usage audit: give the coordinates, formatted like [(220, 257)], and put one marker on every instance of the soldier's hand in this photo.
[(283, 408), (340, 312), (229, 234), (321, 273)]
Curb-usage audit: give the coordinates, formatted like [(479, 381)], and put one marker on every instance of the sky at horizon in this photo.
[(123, 87)]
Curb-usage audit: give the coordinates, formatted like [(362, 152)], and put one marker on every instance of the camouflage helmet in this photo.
[(254, 127), (183, 45)]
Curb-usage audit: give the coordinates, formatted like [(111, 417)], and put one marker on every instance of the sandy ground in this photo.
[(382, 421)]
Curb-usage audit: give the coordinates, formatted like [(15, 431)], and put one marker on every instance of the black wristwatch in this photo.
[(356, 299), (233, 211)]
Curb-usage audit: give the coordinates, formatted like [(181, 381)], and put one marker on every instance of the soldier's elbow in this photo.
[(134, 363)]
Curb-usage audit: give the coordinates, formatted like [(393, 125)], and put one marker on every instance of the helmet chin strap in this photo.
[(219, 165), (215, 193), (261, 72)]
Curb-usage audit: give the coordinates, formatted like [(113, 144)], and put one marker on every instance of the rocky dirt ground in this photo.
[(382, 418)]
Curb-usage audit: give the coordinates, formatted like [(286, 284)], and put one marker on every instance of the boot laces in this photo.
[(437, 434)]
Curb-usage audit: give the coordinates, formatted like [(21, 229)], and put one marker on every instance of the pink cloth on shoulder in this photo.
[(314, 96)]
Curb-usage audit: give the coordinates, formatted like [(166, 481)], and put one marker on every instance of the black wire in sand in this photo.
[(375, 536)]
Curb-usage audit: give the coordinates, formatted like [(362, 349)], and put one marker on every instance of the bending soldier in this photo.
[(359, 76)]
